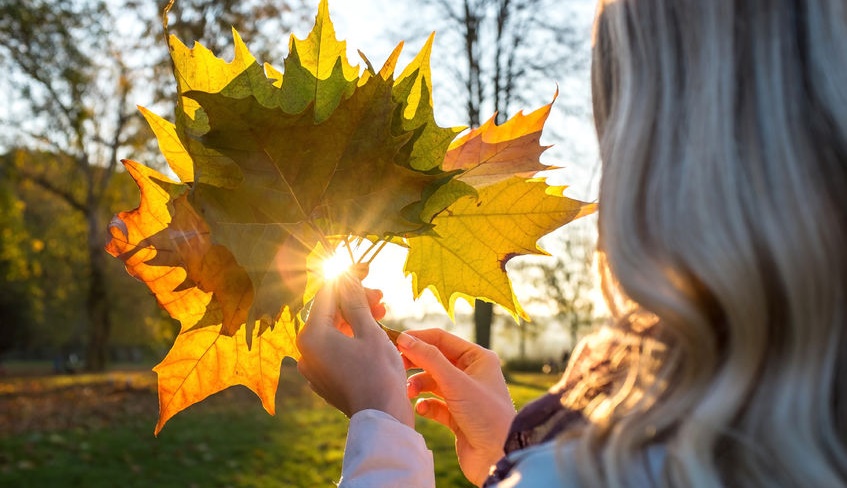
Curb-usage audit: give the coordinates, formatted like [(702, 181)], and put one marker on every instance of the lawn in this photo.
[(97, 431)]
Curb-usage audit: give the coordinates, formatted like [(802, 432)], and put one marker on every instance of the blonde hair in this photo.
[(723, 236)]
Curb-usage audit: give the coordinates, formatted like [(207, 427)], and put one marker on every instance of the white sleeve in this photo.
[(382, 452)]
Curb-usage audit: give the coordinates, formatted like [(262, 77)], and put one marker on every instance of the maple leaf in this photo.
[(276, 168), (477, 236), (165, 244), (492, 153), (129, 242), (489, 213), (302, 179), (203, 362)]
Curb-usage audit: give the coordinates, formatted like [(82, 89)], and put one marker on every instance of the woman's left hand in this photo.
[(355, 373)]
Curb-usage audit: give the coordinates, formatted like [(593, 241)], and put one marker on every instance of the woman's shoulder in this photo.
[(554, 463)]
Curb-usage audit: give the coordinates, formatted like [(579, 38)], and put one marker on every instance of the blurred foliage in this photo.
[(44, 265), (566, 285), (16, 289)]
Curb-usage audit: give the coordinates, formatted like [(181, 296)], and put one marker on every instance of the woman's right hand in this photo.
[(472, 398)]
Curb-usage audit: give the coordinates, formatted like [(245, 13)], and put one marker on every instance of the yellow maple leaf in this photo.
[(171, 146), (477, 236), (198, 69), (203, 362)]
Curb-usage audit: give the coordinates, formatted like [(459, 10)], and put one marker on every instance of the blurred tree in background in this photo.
[(16, 289), (64, 69), (261, 23), (75, 71)]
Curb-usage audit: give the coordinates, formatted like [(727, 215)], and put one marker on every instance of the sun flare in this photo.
[(335, 265)]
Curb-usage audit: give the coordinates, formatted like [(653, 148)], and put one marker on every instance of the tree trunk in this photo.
[(97, 307), (523, 332), (483, 313)]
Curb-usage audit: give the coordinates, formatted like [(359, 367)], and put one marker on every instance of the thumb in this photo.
[(321, 315), (354, 306), (429, 358)]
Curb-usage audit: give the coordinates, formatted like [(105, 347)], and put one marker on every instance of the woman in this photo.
[(723, 240)]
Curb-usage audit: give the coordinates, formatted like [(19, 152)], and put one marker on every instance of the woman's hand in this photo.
[(355, 372), (473, 400)]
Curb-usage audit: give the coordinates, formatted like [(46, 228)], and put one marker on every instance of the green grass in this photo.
[(226, 441)]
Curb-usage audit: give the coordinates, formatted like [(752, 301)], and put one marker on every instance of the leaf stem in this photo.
[(349, 249), (391, 333), (362, 257), (380, 248)]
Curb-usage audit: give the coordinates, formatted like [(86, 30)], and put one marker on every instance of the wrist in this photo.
[(399, 407)]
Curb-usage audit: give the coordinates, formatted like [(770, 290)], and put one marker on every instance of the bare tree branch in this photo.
[(46, 184)]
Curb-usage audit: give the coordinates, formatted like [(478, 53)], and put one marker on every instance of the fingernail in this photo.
[(405, 341), (422, 408)]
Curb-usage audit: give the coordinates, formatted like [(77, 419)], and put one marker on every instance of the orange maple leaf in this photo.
[(164, 241), (166, 244), (129, 232)]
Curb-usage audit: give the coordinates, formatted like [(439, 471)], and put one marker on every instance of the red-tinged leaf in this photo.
[(166, 244), (492, 153), (129, 233)]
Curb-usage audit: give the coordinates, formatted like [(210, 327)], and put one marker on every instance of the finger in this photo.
[(435, 409), (355, 307), (343, 326), (408, 364), (422, 383), (375, 303), (319, 335), (451, 346), (429, 358), (324, 306), (304, 370)]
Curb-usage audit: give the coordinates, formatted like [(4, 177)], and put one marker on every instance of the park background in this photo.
[(78, 336)]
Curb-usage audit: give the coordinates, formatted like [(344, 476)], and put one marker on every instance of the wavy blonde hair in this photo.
[(723, 237)]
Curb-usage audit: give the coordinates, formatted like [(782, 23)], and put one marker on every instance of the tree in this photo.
[(16, 304), (43, 263), (60, 55), (76, 78), (504, 47)]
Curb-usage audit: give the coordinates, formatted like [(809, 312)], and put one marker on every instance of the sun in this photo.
[(335, 265)]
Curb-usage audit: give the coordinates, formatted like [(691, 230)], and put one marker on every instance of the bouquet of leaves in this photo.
[(278, 169)]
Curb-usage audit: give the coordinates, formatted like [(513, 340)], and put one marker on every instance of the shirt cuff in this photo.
[(383, 452)]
